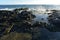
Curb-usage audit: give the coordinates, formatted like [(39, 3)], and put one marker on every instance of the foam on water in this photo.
[(7, 9)]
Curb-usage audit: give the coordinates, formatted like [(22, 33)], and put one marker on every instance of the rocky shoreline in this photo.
[(20, 21)]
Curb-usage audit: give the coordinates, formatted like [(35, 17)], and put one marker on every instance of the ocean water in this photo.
[(30, 6)]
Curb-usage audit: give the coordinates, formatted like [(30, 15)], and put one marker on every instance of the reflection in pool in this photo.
[(41, 17)]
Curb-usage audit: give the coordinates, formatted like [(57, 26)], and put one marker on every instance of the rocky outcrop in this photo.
[(54, 19), (21, 21)]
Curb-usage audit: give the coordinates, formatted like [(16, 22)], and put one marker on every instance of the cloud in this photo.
[(54, 2)]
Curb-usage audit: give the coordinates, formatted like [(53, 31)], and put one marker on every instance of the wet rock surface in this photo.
[(54, 19)]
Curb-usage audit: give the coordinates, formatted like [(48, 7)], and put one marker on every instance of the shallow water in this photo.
[(46, 35), (41, 17)]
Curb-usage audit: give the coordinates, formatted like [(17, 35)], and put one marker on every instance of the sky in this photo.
[(12, 2)]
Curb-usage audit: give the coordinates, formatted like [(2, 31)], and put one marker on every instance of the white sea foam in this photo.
[(10, 9)]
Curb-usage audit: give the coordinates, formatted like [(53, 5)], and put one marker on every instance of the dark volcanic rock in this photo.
[(54, 19)]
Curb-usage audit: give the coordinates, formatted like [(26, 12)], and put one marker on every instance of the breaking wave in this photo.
[(7, 9)]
